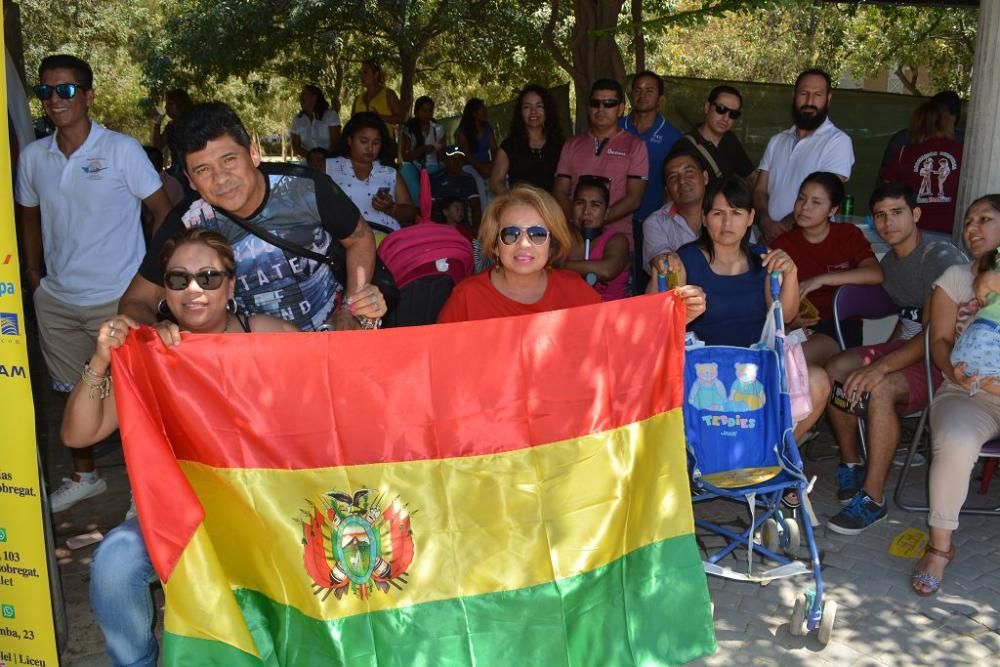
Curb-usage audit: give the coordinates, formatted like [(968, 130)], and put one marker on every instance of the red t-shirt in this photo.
[(931, 169), (843, 249), (475, 298)]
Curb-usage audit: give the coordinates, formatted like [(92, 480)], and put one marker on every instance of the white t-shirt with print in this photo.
[(362, 192)]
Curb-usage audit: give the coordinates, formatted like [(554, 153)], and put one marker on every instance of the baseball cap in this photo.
[(453, 150)]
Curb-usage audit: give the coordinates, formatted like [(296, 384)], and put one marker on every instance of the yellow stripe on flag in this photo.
[(199, 583), (480, 524)]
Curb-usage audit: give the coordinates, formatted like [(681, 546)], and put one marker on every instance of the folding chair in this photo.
[(990, 451)]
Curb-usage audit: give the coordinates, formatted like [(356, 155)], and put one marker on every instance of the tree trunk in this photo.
[(594, 57), (590, 58), (408, 69), (639, 38), (910, 83)]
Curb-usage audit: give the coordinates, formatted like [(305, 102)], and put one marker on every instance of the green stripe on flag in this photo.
[(650, 607)]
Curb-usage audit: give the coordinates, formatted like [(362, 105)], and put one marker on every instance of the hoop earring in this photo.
[(162, 309), (232, 307)]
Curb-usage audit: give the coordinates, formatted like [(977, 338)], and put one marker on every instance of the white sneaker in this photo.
[(72, 492)]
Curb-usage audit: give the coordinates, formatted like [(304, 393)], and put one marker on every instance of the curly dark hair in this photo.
[(552, 128)]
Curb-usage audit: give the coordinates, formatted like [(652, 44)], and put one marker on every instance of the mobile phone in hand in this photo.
[(383, 193)]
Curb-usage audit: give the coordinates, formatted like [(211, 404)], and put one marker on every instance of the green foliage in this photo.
[(256, 54), (939, 38), (101, 32)]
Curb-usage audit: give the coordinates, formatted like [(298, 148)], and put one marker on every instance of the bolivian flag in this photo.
[(502, 492)]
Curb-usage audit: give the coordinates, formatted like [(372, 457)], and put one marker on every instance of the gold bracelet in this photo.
[(100, 385)]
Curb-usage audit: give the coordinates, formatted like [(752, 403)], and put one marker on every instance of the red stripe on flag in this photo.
[(419, 393)]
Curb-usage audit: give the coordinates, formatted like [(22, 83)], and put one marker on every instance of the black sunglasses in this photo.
[(209, 279), (536, 234), (66, 91), (607, 104), (722, 110)]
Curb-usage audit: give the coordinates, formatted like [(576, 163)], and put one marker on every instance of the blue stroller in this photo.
[(738, 424)]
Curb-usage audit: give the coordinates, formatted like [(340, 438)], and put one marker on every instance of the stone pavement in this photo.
[(879, 621)]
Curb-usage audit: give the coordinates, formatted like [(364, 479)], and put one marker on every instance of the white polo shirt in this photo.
[(315, 132), (788, 160), (90, 208)]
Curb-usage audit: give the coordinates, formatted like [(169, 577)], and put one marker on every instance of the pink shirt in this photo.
[(621, 158), (617, 287)]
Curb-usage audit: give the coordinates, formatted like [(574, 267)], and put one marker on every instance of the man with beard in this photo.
[(679, 220), (813, 143)]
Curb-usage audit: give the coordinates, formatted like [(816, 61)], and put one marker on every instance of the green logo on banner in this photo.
[(3, 534), (7, 610)]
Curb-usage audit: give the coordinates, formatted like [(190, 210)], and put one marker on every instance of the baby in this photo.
[(977, 346)]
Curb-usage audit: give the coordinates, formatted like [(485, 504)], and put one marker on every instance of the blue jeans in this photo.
[(119, 594)]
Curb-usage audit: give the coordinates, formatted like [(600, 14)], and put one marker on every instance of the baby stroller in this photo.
[(738, 424)]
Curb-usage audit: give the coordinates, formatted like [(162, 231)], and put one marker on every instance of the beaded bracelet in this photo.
[(99, 384)]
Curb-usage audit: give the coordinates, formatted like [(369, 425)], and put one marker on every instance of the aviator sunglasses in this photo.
[(210, 279), (607, 104), (536, 234), (66, 91), (722, 110)]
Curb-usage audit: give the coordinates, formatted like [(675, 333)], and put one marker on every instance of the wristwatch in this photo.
[(591, 278)]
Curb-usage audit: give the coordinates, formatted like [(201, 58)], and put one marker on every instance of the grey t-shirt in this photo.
[(909, 281)]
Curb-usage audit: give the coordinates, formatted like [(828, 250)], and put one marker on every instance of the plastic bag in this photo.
[(796, 369)]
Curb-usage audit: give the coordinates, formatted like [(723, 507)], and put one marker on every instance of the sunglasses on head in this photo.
[(536, 234), (210, 279), (722, 110), (66, 91), (607, 104)]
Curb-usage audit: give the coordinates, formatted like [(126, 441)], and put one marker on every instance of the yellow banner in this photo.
[(27, 632)]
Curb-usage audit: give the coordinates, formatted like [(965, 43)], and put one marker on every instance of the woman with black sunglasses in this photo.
[(200, 281), (523, 231)]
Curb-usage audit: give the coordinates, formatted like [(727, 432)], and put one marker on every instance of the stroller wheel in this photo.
[(798, 621), (793, 538), (826, 622)]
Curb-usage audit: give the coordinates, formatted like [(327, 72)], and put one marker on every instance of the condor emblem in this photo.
[(351, 544)]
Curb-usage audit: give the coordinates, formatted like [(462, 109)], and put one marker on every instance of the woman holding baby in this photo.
[(966, 410)]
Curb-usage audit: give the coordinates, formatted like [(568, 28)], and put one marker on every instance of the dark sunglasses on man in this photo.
[(607, 104), (722, 110), (209, 279), (66, 91), (536, 234)]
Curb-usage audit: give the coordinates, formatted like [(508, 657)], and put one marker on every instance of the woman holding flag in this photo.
[(200, 281)]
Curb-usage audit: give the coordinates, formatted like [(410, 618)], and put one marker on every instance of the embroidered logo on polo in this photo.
[(94, 167)]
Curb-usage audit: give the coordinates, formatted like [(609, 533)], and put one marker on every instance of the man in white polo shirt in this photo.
[(813, 143), (81, 191)]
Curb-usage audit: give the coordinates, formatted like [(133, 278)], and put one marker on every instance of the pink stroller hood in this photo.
[(426, 248)]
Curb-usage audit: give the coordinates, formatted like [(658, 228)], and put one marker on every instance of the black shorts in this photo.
[(851, 329)]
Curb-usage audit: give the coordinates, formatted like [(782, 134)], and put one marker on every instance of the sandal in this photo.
[(926, 578)]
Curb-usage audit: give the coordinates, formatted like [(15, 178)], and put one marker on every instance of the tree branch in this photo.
[(548, 39)]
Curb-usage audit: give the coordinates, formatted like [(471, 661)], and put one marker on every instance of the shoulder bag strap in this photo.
[(705, 154)]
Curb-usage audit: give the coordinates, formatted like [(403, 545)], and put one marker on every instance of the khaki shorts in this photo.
[(68, 335)]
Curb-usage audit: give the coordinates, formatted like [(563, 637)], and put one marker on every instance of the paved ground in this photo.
[(880, 621)]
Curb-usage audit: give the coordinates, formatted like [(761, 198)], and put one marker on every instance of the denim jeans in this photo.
[(120, 596)]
